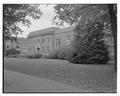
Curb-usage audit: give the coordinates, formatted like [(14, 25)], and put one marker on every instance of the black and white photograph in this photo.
[(59, 48)]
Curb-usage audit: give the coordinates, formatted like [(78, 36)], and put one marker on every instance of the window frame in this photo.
[(68, 36)]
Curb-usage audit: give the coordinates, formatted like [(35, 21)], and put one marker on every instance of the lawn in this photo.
[(95, 78)]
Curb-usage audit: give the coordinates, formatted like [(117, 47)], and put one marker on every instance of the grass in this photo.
[(95, 78)]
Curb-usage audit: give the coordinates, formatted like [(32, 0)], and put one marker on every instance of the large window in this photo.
[(58, 42), (68, 37)]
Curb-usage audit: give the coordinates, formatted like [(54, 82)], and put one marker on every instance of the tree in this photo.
[(82, 16), (79, 14), (92, 49), (15, 15), (113, 17)]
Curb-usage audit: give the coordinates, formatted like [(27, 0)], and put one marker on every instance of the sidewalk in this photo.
[(18, 82)]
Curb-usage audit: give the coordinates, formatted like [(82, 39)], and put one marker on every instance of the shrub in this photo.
[(12, 52), (52, 55), (34, 56), (13, 56), (92, 49), (65, 53)]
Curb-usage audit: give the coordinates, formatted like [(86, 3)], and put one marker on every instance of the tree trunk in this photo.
[(114, 32), (4, 47)]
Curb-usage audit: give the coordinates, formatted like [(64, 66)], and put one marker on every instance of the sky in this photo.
[(44, 22)]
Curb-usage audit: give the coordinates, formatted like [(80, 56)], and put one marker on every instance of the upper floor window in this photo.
[(38, 40), (42, 40), (48, 39), (35, 40)]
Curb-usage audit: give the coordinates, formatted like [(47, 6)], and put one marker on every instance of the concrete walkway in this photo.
[(18, 82)]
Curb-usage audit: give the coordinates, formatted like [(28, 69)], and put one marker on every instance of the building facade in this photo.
[(14, 44), (46, 40), (10, 44)]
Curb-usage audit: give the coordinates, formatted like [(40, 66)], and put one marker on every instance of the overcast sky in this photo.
[(44, 22)]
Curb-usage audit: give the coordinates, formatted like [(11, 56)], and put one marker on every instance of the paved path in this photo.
[(18, 82)]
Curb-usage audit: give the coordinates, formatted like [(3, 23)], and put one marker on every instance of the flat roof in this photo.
[(48, 31), (42, 32)]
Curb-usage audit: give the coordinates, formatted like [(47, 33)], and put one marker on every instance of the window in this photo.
[(38, 40), (8, 46), (30, 41), (74, 36), (48, 49), (58, 42), (35, 40), (42, 40), (43, 49), (48, 39), (17, 47), (68, 37)]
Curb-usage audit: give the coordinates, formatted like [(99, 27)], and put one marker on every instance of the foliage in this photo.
[(12, 52), (65, 53), (79, 14), (92, 49), (16, 14), (34, 56), (53, 54), (89, 20)]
